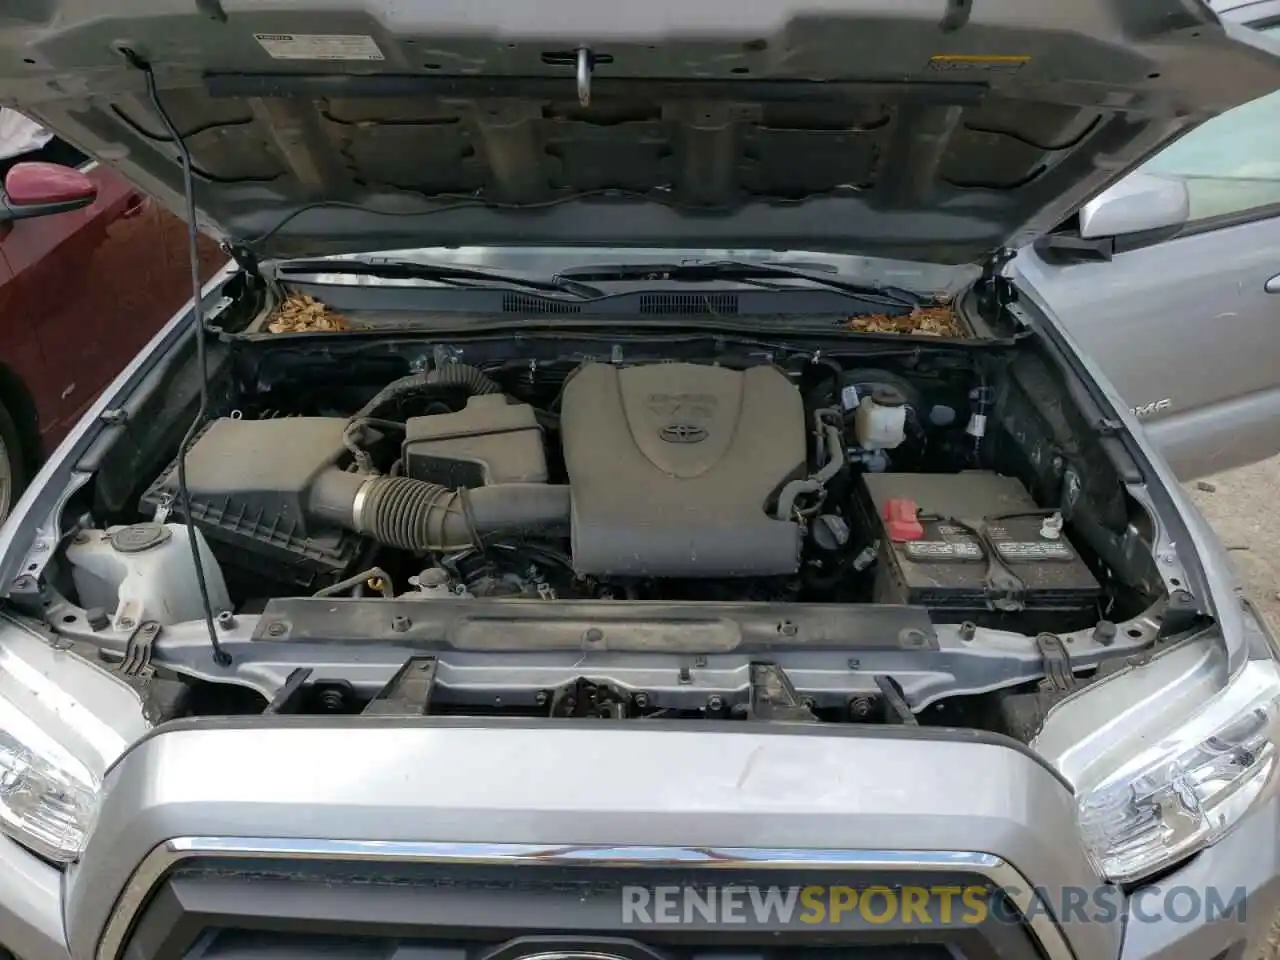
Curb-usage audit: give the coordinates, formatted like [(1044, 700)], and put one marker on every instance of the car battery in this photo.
[(950, 542)]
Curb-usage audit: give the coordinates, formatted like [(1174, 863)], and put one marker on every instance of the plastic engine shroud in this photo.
[(671, 467)]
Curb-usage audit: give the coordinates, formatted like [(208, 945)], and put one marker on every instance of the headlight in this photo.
[(62, 722), (1186, 790), (1166, 757)]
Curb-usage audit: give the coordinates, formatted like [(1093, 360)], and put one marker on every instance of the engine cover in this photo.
[(671, 467)]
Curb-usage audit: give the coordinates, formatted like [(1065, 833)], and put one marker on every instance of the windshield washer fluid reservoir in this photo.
[(144, 572)]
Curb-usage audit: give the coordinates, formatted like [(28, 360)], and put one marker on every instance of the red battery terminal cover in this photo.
[(902, 520)]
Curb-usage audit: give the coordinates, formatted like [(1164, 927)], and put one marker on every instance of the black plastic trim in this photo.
[(10, 213), (244, 910)]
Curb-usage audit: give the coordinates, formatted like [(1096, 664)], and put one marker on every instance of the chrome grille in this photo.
[(255, 898)]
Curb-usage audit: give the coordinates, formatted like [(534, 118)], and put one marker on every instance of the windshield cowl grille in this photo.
[(660, 304)]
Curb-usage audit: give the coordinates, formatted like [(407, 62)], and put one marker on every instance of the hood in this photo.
[(929, 130)]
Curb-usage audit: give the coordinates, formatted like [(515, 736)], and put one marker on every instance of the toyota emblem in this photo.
[(682, 433)]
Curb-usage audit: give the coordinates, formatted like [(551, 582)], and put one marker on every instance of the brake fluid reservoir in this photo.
[(881, 420), (144, 571)]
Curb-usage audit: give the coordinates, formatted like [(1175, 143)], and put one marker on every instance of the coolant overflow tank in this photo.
[(144, 571)]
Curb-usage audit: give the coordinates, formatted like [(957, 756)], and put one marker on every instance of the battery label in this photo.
[(1034, 550), (935, 550)]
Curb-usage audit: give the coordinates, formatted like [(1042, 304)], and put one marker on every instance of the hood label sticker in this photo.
[(979, 62), (319, 46)]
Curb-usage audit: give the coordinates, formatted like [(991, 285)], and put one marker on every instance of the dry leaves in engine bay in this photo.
[(301, 313), (934, 321)]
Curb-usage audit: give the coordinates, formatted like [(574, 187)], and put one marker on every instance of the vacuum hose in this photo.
[(427, 518)]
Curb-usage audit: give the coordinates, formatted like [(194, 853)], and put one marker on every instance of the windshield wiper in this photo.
[(742, 270), (393, 269)]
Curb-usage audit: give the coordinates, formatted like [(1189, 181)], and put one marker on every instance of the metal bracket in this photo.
[(995, 287), (163, 508), (137, 650), (1181, 611), (774, 697), (244, 257), (408, 693), (1058, 674)]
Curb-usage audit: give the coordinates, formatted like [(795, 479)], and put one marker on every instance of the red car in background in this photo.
[(85, 281)]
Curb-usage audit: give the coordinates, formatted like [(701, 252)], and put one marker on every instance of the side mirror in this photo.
[(1139, 203), (33, 189)]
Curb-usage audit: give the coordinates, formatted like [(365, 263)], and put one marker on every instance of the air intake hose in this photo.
[(450, 376), (427, 518), (463, 375)]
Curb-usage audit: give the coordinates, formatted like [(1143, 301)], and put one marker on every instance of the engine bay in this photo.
[(673, 480), (713, 530)]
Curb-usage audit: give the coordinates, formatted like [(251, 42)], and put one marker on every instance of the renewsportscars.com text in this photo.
[(818, 905)]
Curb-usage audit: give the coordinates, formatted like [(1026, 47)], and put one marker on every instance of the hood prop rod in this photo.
[(220, 656)]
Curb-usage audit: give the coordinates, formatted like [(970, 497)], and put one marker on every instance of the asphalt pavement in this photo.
[(1244, 507)]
